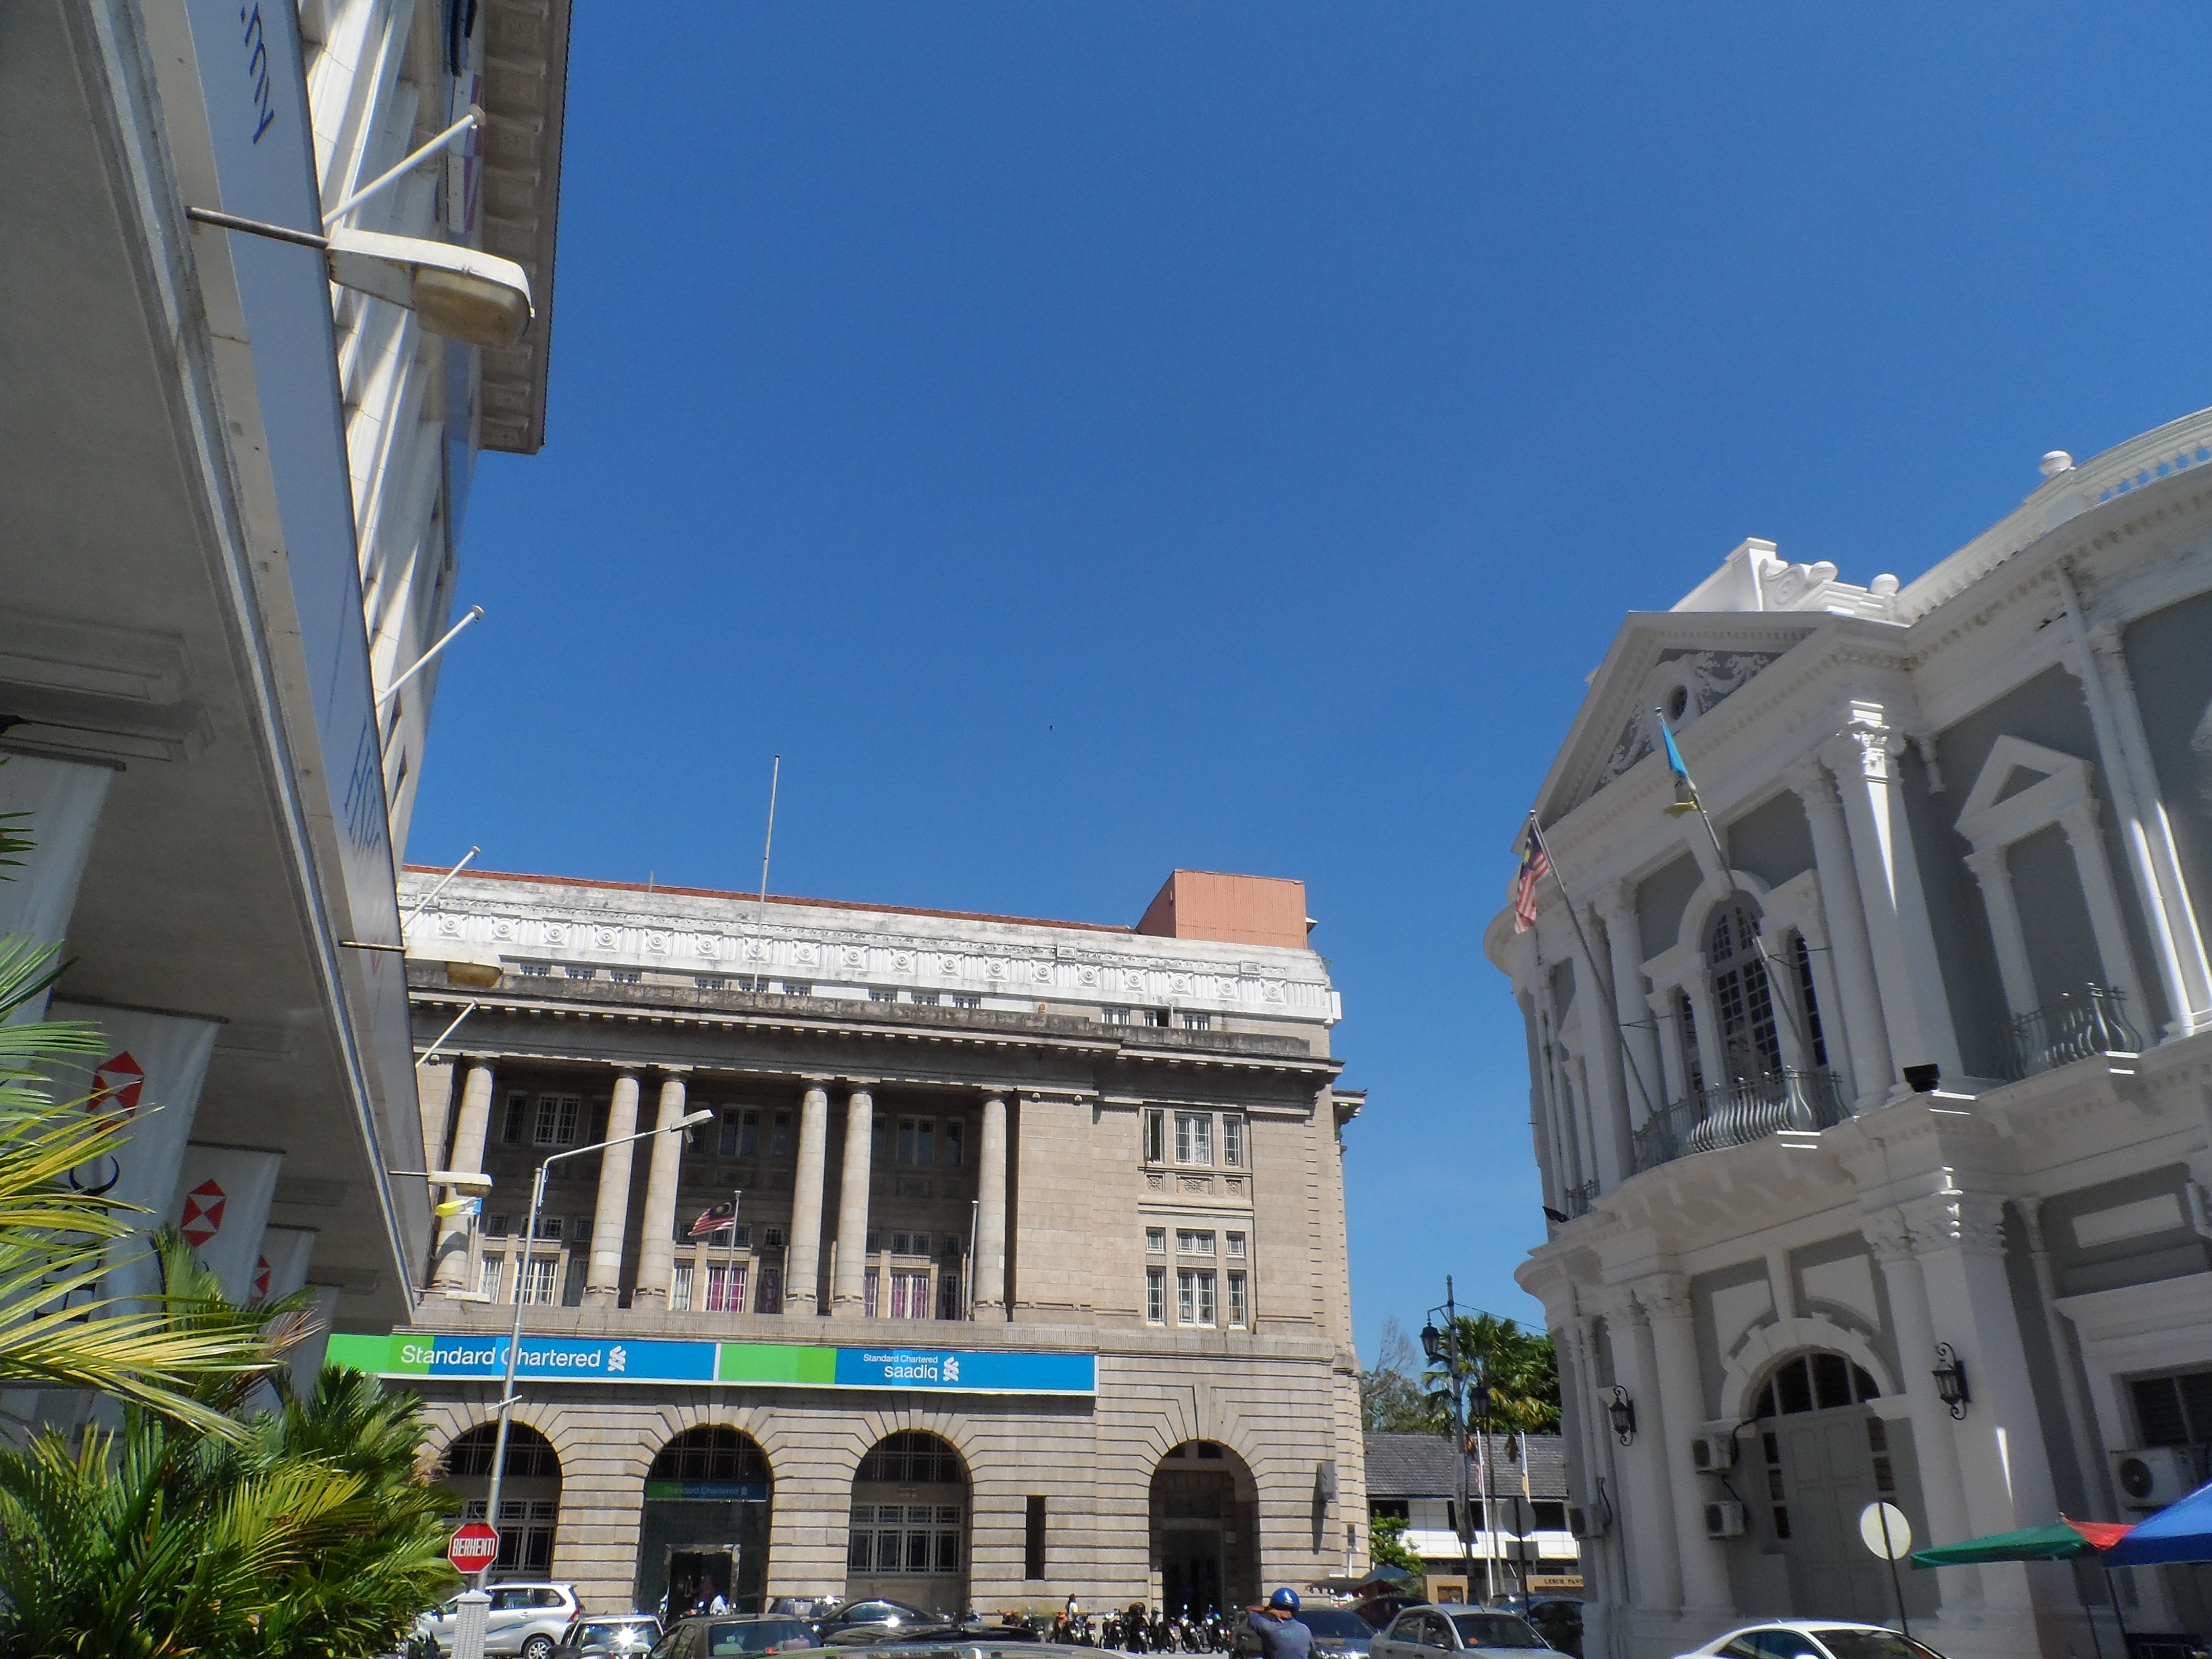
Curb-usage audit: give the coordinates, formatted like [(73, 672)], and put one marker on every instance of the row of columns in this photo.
[(665, 1151)]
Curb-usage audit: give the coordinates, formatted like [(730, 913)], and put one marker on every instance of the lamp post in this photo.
[(507, 1396), (1441, 1348)]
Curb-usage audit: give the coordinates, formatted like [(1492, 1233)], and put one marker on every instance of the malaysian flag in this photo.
[(722, 1216), (1534, 866)]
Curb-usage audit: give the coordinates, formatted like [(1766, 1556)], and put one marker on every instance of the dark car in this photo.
[(710, 1636), (1335, 1630), (614, 1635), (879, 1614), (1422, 1632), (1558, 1620), (1380, 1610)]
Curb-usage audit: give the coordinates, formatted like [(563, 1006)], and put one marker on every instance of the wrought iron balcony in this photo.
[(1737, 1114), (2092, 1020), (1577, 1201)]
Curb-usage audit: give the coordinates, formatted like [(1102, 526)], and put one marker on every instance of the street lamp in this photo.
[(1441, 1348), (514, 1340)]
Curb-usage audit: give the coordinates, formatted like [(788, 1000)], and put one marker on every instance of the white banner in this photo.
[(63, 801), (283, 1267), (222, 1208), (151, 1075), (307, 1357)]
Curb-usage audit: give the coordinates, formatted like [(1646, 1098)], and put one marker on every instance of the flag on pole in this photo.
[(1534, 866), (1685, 793), (719, 1218)]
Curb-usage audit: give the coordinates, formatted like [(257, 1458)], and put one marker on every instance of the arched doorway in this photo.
[(1819, 1456), (529, 1492), (1205, 1517), (909, 1530), (704, 1528)]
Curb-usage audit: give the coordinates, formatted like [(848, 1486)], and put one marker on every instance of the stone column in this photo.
[(1865, 1041), (1705, 1016), (656, 1255), (610, 1217), (451, 1260), (1681, 1414), (991, 1212), (1941, 1486), (1667, 1021), (1648, 1528), (1780, 946), (2114, 954), (1959, 1239), (1905, 964), (1624, 940), (848, 1295), (2088, 1453), (802, 1283), (2145, 830), (1612, 1099), (1993, 874)]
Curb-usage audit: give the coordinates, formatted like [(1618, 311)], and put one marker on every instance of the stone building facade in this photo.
[(1877, 1133), (1034, 1281)]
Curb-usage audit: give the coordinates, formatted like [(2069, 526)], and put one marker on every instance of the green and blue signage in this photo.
[(761, 1364)]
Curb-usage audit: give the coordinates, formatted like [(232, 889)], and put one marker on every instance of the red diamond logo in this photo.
[(118, 1082), (261, 1280), (203, 1213)]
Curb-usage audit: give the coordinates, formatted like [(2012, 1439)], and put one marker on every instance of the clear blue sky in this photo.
[(1090, 439)]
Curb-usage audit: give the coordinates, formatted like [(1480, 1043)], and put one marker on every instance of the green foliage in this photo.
[(1386, 1544), (1511, 1373)]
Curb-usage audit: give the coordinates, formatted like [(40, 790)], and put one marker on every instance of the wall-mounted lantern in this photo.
[(1622, 1411), (1950, 1375)]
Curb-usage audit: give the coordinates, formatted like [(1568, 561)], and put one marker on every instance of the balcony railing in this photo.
[(1577, 1201), (1739, 1113), (2092, 1020)]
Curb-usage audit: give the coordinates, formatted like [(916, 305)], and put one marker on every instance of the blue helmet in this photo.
[(1285, 1600)]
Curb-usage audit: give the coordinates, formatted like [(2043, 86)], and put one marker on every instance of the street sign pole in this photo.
[(1886, 1533), (473, 1548)]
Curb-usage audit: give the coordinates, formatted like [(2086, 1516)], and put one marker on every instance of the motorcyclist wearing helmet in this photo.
[(1281, 1636)]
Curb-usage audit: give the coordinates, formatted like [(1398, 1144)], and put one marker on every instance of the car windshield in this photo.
[(615, 1633), (1872, 1644), (1339, 1622), (759, 1636), (1494, 1630)]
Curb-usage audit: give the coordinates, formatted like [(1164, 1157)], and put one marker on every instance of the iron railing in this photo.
[(1577, 1201), (1737, 1114), (2092, 1020)]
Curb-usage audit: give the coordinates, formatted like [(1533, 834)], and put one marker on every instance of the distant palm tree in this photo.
[(1512, 1375)]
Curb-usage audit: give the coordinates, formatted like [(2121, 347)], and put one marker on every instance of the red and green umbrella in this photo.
[(2061, 1540)]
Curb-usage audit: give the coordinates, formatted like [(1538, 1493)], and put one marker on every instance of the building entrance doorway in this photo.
[(704, 1527), (1821, 1455), (908, 1532), (1204, 1541)]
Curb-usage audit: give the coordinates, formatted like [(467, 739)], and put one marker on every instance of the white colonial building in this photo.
[(1909, 1076)]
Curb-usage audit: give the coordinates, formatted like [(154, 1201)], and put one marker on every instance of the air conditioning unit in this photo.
[(2154, 1476), (1724, 1520), (1711, 1453), (1585, 1523)]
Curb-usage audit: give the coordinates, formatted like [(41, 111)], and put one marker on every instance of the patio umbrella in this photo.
[(2062, 1540), (2179, 1532)]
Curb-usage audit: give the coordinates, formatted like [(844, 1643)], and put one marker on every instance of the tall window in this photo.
[(910, 1295), (917, 1140), (726, 1288), (495, 1270), (518, 1113), (537, 1284), (1750, 1046), (1232, 1142), (956, 1136), (1156, 1296), (1815, 1039), (1194, 1137), (741, 1132), (1240, 1308), (779, 1142), (556, 1120), (679, 1289), (1156, 1137)]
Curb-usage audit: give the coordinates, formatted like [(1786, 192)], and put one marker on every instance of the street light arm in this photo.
[(514, 1338)]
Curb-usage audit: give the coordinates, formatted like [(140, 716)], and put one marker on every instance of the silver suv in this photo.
[(525, 1619)]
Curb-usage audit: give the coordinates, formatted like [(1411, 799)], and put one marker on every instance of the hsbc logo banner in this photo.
[(148, 1076), (283, 1267), (222, 1208)]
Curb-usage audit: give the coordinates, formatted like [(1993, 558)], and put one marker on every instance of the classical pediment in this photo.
[(1686, 664)]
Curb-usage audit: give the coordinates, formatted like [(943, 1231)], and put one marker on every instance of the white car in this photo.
[(1811, 1638), (1427, 1633), (527, 1619)]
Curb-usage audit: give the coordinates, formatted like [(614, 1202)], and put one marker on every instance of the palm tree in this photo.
[(308, 1531)]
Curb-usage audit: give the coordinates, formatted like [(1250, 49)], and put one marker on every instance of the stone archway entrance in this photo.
[(1821, 1454), (910, 1524), (704, 1528), (1205, 1523), (529, 1492)]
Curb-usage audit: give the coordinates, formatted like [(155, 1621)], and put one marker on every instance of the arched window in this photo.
[(530, 1492), (1750, 1045), (1814, 1382), (716, 1454)]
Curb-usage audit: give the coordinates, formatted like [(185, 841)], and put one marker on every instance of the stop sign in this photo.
[(474, 1548)]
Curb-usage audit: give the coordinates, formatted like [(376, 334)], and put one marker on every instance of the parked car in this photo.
[(1558, 1620), (706, 1635), (1812, 1638), (525, 1619), (880, 1614), (1335, 1630), (1423, 1633), (611, 1635), (1378, 1610)]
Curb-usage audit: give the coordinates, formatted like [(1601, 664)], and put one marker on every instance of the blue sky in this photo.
[(1087, 439)]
